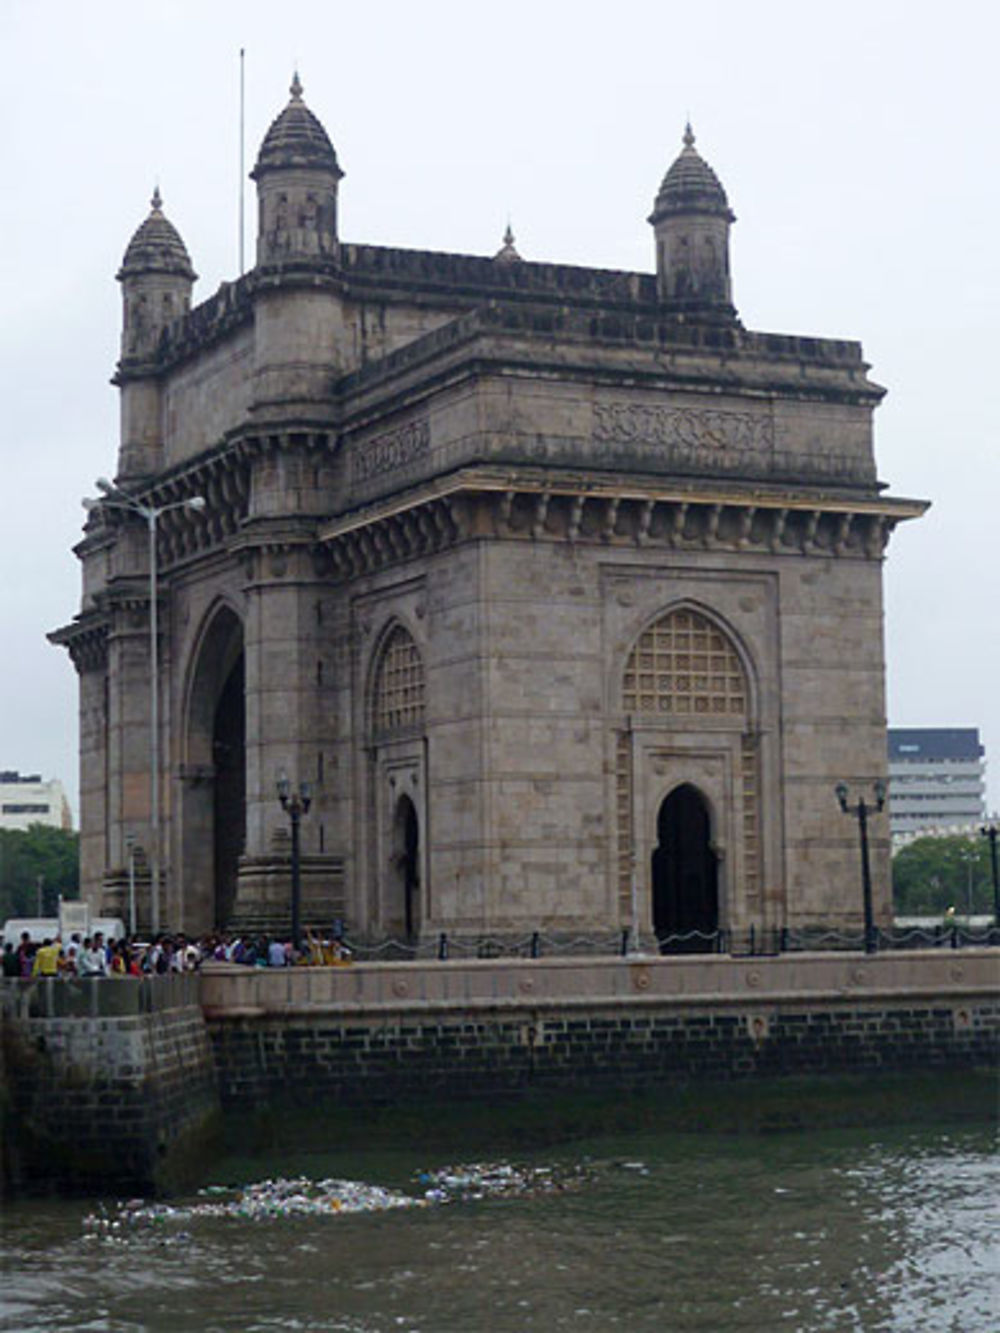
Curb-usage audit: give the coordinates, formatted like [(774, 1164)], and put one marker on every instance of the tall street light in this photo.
[(861, 810), (990, 831), (295, 805), (113, 497)]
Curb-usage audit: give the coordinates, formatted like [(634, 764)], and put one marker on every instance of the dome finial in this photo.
[(156, 203), (688, 135), (296, 88), (508, 251)]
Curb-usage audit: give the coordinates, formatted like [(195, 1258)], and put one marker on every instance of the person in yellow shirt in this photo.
[(46, 962)]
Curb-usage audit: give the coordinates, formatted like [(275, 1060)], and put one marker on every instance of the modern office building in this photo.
[(561, 587), (25, 800), (937, 779)]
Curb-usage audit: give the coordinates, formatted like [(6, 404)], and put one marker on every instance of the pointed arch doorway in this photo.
[(685, 874), (214, 794), (405, 908)]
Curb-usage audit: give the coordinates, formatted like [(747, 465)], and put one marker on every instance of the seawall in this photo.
[(105, 1084), (374, 1034), (120, 1084)]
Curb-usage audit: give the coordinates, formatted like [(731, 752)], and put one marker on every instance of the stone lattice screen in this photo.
[(399, 696)]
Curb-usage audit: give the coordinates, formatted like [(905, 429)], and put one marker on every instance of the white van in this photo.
[(47, 928)]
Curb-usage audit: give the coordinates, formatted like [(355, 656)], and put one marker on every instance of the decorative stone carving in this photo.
[(391, 451)]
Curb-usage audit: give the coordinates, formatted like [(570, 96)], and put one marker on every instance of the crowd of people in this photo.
[(95, 956)]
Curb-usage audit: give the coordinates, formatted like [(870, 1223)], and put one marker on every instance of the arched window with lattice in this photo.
[(684, 670), (685, 666), (398, 694)]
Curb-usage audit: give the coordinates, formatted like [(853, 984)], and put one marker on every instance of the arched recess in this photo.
[(685, 873), (214, 789), (403, 899), (688, 693), (396, 725)]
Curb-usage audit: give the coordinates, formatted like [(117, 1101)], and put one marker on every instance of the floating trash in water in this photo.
[(480, 1180), (302, 1197)]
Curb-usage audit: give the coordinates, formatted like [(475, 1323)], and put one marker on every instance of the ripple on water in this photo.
[(837, 1231)]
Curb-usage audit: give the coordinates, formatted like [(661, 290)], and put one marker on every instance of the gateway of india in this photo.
[(561, 588)]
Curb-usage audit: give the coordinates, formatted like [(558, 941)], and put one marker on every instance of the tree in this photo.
[(26, 854), (931, 874)]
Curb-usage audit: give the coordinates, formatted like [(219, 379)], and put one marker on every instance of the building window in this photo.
[(398, 697), (683, 665)]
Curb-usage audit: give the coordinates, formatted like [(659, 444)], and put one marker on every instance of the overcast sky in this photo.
[(857, 143)]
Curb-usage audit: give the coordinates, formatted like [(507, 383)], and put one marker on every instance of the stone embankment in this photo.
[(118, 1083), (105, 1084), (378, 1033)]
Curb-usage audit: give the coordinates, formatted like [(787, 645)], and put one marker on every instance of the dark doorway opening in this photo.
[(685, 875), (407, 858), (229, 761)]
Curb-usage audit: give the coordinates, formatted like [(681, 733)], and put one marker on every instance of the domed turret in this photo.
[(156, 277), (691, 219), (296, 174)]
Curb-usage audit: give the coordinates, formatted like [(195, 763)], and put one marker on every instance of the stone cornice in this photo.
[(86, 639), (533, 505)]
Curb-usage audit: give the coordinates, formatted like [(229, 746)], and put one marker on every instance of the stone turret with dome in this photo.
[(157, 277), (297, 174), (691, 219)]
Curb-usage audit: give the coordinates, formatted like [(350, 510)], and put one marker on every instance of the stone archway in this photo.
[(213, 831), (685, 874)]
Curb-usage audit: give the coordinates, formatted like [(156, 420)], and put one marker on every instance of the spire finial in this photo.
[(688, 135), (296, 88), (156, 203), (507, 251)]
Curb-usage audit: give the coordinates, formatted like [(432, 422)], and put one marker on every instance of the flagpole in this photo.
[(242, 172)]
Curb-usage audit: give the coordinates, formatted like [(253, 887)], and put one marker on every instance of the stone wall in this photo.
[(105, 1084), (369, 1035)]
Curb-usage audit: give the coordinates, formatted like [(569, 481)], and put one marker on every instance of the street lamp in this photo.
[(990, 831), (295, 805), (861, 810), (113, 497)]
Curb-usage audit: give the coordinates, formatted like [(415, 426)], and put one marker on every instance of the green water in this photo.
[(825, 1229)]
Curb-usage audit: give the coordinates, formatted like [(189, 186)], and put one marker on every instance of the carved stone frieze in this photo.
[(683, 428), (718, 440), (390, 451)]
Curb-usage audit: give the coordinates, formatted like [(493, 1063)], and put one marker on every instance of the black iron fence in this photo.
[(752, 942)]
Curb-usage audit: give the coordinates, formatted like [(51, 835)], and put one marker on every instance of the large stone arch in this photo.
[(688, 691), (213, 817), (395, 713)]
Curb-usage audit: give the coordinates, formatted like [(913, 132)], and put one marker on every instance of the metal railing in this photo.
[(750, 942)]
